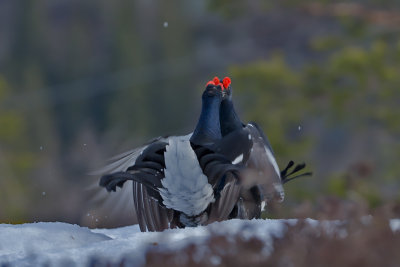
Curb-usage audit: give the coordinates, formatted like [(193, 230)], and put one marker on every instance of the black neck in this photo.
[(228, 118), (208, 127)]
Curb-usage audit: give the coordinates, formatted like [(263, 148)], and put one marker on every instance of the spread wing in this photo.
[(228, 198), (151, 215), (259, 175), (115, 205), (146, 174), (263, 169), (123, 161), (149, 170), (118, 205)]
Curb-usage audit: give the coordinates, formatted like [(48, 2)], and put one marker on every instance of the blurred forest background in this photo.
[(81, 81)]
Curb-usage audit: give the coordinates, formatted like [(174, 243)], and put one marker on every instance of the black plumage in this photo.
[(261, 179), (236, 159), (148, 171)]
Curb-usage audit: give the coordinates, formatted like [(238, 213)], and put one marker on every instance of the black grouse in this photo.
[(224, 169), (183, 181), (247, 146)]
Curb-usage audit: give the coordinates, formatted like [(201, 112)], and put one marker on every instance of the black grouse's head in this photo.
[(222, 86), (213, 89)]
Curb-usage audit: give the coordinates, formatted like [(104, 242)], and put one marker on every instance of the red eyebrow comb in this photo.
[(217, 82), (226, 82)]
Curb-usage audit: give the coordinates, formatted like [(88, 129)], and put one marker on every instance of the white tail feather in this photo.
[(186, 188)]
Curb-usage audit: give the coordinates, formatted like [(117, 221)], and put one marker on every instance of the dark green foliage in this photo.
[(356, 90), (82, 81)]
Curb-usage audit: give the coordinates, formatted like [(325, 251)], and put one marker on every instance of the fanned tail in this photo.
[(286, 177)]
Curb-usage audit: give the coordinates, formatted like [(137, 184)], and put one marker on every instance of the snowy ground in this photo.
[(62, 244)]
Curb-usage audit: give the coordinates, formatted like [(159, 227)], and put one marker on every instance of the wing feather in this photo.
[(262, 168), (224, 205), (138, 201), (148, 214)]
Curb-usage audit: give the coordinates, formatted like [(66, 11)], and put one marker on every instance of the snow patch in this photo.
[(56, 244), (19, 243), (395, 225), (62, 244)]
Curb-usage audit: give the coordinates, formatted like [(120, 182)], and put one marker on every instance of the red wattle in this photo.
[(216, 80), (210, 83)]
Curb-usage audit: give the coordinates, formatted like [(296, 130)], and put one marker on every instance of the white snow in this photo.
[(395, 224), (62, 244), (22, 244), (65, 244)]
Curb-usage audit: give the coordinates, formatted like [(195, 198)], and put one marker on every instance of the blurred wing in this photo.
[(118, 205), (151, 216), (223, 206), (249, 204), (123, 161), (261, 167), (146, 175)]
